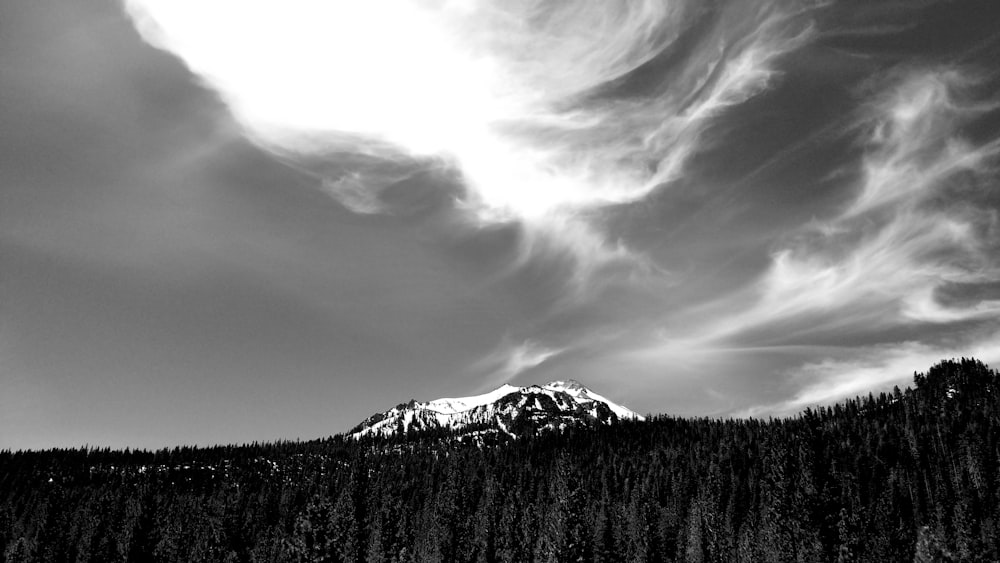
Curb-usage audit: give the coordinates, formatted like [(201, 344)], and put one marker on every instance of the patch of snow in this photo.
[(462, 404)]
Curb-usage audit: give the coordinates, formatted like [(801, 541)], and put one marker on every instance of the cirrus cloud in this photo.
[(549, 113)]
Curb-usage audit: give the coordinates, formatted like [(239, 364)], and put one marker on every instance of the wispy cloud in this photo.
[(871, 368), (914, 225), (512, 359), (557, 118), (536, 105), (913, 228), (911, 249)]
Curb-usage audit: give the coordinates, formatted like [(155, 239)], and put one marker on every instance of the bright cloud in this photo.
[(518, 97)]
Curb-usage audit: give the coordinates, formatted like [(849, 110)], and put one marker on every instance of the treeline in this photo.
[(905, 476)]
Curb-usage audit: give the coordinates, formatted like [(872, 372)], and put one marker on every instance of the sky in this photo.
[(226, 221)]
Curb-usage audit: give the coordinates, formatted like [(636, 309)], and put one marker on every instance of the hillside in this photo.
[(902, 476)]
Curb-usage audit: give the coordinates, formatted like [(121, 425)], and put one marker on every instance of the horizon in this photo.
[(269, 221), (347, 434)]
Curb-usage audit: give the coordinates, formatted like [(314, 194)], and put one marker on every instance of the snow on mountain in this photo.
[(508, 409)]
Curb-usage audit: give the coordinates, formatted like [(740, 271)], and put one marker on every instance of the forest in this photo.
[(906, 475)]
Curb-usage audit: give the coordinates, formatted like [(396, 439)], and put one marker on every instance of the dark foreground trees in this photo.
[(907, 476)]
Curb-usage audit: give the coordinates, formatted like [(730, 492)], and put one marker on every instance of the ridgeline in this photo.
[(910, 475)]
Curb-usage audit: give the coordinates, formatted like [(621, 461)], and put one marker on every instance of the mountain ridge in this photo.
[(508, 409)]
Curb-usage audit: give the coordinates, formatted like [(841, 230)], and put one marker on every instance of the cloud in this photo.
[(915, 227), (877, 367), (510, 360), (912, 253), (914, 146), (550, 113), (557, 118)]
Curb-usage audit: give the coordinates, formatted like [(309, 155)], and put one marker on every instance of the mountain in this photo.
[(507, 409), (911, 475)]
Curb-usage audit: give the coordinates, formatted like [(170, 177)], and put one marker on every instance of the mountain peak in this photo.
[(508, 409), (568, 385)]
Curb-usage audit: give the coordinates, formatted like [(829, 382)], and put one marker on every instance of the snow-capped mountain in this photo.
[(507, 409)]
